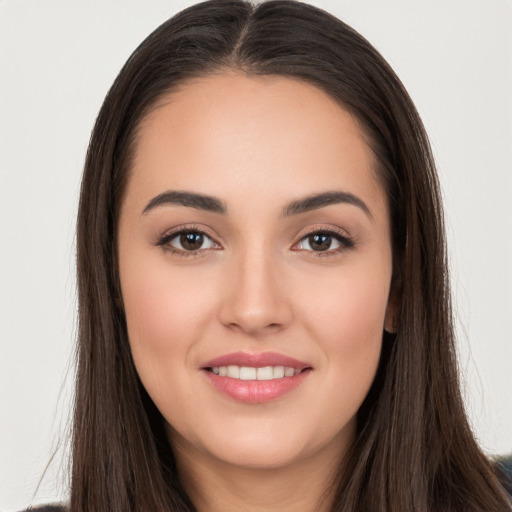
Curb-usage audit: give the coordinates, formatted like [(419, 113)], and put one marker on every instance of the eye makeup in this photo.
[(187, 237), (319, 237), (192, 241)]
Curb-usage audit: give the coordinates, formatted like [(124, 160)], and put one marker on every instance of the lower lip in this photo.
[(256, 391)]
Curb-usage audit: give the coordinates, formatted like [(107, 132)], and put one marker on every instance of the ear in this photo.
[(391, 320)]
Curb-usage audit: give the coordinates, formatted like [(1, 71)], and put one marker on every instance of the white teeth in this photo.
[(247, 373), (289, 372), (250, 373), (265, 373), (233, 372), (278, 372)]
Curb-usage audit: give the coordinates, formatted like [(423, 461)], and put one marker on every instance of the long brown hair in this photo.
[(414, 449)]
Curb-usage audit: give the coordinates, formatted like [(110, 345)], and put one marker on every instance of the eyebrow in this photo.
[(316, 201), (215, 205), (190, 199)]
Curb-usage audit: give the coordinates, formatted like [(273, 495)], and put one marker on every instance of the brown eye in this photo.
[(320, 242), (328, 242), (187, 241), (191, 241)]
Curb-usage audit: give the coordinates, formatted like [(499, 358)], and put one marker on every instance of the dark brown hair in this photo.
[(414, 449)]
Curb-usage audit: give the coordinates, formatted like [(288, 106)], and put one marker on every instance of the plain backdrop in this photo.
[(57, 61)]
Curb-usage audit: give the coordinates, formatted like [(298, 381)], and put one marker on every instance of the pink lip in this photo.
[(256, 360), (256, 391)]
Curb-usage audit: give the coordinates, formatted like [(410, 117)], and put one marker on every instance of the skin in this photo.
[(256, 144)]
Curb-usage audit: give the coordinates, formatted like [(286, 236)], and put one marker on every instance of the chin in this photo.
[(264, 446), (264, 456)]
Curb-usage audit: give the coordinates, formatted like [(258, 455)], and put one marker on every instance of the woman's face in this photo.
[(255, 266)]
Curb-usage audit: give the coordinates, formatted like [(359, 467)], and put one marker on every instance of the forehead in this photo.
[(229, 134)]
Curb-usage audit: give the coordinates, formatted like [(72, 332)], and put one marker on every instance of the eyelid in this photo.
[(324, 229), (347, 241), (169, 235)]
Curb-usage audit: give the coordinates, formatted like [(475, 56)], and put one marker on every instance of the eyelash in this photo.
[(346, 243), (165, 239)]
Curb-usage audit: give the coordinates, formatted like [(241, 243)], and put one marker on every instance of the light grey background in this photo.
[(57, 60)]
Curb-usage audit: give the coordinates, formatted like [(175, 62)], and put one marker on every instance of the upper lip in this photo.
[(256, 360)]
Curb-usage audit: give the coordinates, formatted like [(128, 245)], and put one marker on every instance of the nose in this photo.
[(256, 301)]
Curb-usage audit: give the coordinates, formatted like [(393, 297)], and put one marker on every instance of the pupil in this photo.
[(191, 241), (320, 242)]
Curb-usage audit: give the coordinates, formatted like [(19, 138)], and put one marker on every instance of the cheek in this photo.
[(165, 318), (347, 320), (348, 313), (166, 311)]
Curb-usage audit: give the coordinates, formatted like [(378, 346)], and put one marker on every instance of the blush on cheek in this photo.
[(352, 313), (151, 300)]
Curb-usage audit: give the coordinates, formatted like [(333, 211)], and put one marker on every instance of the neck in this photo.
[(216, 486)]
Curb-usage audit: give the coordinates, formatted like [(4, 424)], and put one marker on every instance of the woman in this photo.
[(265, 316)]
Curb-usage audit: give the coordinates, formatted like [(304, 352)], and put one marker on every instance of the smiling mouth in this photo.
[(255, 378), (251, 373), (255, 385)]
